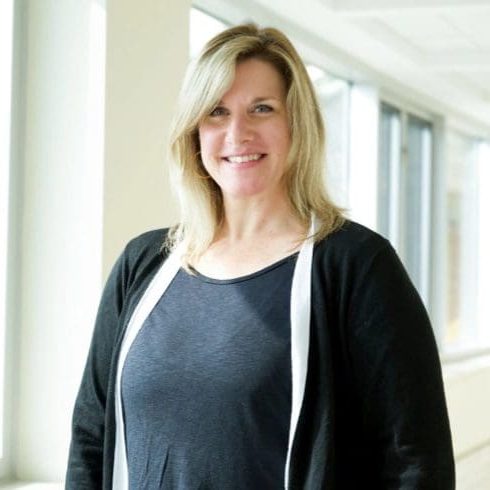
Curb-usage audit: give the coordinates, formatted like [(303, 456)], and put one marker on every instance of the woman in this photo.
[(271, 343)]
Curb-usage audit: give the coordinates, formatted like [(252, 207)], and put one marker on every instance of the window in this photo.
[(6, 32), (462, 199), (388, 173), (415, 182), (333, 95), (404, 190)]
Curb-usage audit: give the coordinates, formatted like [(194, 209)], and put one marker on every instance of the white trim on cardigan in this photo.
[(300, 334)]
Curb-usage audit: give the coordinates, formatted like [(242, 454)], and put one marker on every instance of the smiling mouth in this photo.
[(244, 158)]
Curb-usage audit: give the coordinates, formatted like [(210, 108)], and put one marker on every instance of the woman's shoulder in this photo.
[(352, 251), (144, 250), (148, 242), (353, 240)]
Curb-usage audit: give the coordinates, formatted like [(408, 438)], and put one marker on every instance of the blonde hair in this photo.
[(206, 81)]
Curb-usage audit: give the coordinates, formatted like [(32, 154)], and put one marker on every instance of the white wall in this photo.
[(61, 232), (80, 204)]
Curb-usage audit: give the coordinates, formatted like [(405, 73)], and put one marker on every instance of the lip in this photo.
[(244, 154), (244, 165), (244, 158)]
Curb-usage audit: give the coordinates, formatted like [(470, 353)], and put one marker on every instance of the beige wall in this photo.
[(147, 50), (468, 397)]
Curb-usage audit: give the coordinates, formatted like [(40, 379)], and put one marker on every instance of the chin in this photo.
[(250, 188)]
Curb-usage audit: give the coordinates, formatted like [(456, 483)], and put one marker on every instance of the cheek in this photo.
[(282, 137), (207, 147), (201, 138), (208, 141)]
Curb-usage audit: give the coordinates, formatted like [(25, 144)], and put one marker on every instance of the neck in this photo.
[(247, 219)]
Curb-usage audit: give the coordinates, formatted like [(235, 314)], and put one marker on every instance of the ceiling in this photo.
[(434, 53)]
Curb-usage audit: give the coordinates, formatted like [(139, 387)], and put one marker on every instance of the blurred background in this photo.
[(87, 92)]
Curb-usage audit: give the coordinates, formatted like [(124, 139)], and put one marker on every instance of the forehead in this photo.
[(256, 78)]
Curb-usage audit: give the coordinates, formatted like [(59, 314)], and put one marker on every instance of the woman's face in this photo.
[(245, 140)]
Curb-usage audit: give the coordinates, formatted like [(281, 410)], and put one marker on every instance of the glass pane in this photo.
[(415, 202), (462, 242), (388, 171)]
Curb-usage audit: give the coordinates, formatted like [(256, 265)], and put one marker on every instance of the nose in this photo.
[(239, 130)]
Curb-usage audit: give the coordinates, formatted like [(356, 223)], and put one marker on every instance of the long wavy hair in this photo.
[(206, 81)]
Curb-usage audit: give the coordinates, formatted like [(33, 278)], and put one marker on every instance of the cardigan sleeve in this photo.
[(398, 378), (85, 462)]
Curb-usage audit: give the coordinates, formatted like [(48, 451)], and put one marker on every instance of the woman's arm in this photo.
[(398, 377), (85, 463)]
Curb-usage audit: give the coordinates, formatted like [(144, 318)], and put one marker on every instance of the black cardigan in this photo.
[(374, 413)]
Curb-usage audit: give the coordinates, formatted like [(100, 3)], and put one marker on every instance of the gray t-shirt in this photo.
[(206, 385)]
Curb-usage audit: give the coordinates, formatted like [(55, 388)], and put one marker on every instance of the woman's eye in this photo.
[(263, 108), (217, 111)]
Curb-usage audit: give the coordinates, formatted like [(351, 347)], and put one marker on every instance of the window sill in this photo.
[(459, 366)]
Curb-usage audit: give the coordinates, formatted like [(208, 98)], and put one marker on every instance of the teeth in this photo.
[(244, 158)]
